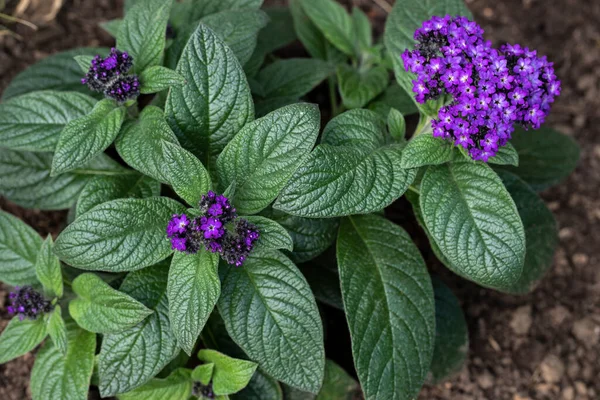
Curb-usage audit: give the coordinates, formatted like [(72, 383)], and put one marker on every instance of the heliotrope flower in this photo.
[(108, 75), (26, 302), (491, 89)]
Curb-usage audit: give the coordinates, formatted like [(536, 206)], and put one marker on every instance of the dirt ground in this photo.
[(545, 345)]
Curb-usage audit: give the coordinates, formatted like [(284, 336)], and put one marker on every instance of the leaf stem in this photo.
[(414, 189), (333, 97)]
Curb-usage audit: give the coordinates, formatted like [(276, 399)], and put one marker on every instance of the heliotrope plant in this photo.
[(214, 228)]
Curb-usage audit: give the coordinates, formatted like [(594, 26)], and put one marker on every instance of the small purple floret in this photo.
[(26, 302)]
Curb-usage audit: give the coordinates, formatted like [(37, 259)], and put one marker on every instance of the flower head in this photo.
[(124, 88), (26, 302), (108, 75)]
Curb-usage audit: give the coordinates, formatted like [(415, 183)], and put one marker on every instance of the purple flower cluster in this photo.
[(491, 90), (27, 303), (108, 75), (233, 244)]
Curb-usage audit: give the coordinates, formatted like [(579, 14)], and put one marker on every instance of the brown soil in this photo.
[(545, 345)]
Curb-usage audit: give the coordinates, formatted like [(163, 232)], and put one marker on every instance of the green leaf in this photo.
[(20, 337), (47, 269), (396, 125), (112, 27), (190, 11), (157, 78), (260, 387), (474, 222), (151, 147), (358, 128), (338, 385), (33, 121), (336, 181), (131, 358), (507, 155), (84, 138), (119, 235), (177, 386), (541, 233), (393, 97), (311, 236), (193, 291), (265, 153), (279, 31), (389, 305), (230, 374), (272, 235), (451, 334), (361, 26), (84, 62), (270, 289), (25, 179), (312, 39), (142, 33), (324, 283), (425, 149), (263, 107), (101, 309), (59, 71), (58, 330), (65, 377), (546, 156), (101, 189), (215, 103), (238, 29), (292, 77), (333, 21), (203, 373), (19, 247), (359, 87)]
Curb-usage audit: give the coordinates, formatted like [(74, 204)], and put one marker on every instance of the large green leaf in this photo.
[(60, 71), (47, 269), (215, 103), (150, 146), (507, 155), (389, 305), (193, 291), (358, 128), (86, 137), (279, 31), (359, 86), (265, 153), (474, 223), (131, 358), (451, 334), (189, 11), (177, 386), (271, 314), (292, 77), (273, 236), (65, 377), (142, 32), (100, 308), (313, 40), (57, 330), (541, 233), (333, 21), (230, 375), (238, 29), (19, 247), (119, 235), (33, 122), (260, 387), (25, 179), (324, 282), (20, 337), (546, 156), (157, 78), (425, 149), (106, 188), (338, 385)]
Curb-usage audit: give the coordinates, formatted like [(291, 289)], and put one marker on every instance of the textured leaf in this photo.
[(263, 107), (359, 128), (151, 147), (324, 283), (47, 268), (142, 32), (193, 291), (396, 125), (65, 377), (451, 334), (131, 358), (157, 78), (338, 385), (106, 188), (203, 373), (265, 153), (425, 149), (190, 11), (360, 87), (269, 293), (474, 222), (58, 330), (541, 233), (312, 39), (20, 337), (279, 31), (507, 155), (546, 156), (60, 71), (177, 386), (238, 29), (333, 21), (230, 374), (361, 27), (25, 179), (260, 387), (215, 103), (389, 305), (19, 247), (119, 235), (292, 77), (101, 309), (33, 122), (272, 235), (84, 138)]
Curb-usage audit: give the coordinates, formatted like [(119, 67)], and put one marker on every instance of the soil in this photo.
[(545, 345)]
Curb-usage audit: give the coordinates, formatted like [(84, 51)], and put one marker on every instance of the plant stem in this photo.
[(333, 97), (414, 189)]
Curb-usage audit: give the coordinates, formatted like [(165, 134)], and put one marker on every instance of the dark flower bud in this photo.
[(27, 303)]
